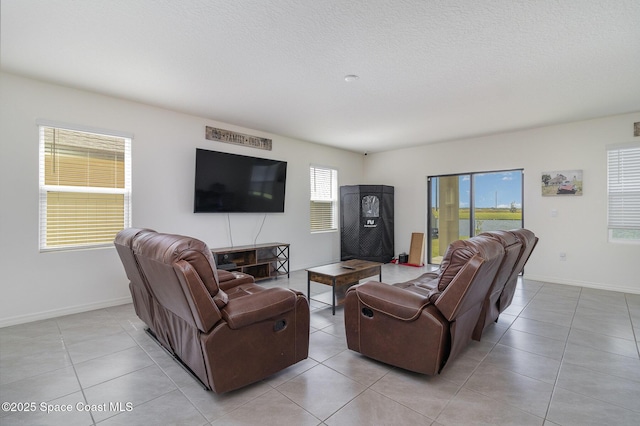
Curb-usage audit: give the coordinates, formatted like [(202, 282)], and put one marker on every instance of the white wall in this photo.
[(38, 285), (580, 226)]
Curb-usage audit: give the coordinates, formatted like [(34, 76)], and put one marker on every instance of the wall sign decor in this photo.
[(563, 182), (221, 135), (636, 128)]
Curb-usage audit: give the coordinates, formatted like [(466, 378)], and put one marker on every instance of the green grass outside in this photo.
[(487, 214), (480, 215)]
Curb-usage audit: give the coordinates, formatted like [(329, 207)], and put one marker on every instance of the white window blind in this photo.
[(623, 189), (324, 199), (85, 188)]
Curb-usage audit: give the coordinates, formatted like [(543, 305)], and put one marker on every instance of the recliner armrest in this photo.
[(224, 275), (393, 301), (228, 280), (257, 307)]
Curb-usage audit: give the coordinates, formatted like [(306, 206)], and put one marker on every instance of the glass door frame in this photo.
[(472, 207)]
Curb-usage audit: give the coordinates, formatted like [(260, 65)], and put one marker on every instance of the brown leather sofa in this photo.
[(143, 302), (228, 331), (490, 312), (422, 324), (529, 242), (518, 245)]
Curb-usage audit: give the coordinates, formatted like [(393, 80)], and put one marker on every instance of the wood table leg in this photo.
[(333, 297)]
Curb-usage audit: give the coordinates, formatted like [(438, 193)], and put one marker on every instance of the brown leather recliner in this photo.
[(422, 324), (491, 306), (529, 241), (227, 333), (518, 245), (143, 301)]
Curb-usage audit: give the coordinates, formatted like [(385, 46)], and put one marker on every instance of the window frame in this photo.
[(623, 193), (44, 188), (316, 197)]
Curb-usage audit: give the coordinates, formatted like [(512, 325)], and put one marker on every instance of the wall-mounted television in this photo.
[(231, 183)]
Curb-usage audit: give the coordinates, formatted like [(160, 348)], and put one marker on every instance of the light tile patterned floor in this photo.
[(560, 355)]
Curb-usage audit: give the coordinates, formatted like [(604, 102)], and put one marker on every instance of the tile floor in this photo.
[(560, 355)]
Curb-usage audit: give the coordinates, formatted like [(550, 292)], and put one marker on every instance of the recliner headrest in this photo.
[(459, 253), (169, 249)]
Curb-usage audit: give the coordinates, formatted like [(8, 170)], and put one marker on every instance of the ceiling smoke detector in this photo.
[(351, 77)]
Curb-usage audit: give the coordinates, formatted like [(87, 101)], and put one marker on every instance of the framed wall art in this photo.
[(562, 182)]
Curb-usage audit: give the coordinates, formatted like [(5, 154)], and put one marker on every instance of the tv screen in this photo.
[(230, 183)]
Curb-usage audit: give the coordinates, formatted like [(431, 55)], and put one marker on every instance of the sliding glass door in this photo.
[(449, 199), (464, 205)]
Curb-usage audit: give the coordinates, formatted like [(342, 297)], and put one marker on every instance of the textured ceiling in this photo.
[(429, 71)]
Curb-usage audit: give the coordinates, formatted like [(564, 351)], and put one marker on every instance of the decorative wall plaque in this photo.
[(236, 138)]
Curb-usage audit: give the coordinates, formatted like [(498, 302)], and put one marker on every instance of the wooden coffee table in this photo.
[(342, 274)]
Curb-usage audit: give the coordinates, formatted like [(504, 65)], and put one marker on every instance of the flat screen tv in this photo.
[(231, 183)]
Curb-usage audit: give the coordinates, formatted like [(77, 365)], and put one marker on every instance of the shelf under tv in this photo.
[(262, 261)]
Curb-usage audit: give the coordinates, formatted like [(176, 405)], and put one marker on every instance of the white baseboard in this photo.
[(577, 283), (21, 319)]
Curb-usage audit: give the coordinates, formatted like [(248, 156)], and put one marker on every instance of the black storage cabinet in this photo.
[(366, 222)]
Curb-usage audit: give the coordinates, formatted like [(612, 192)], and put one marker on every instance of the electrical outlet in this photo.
[(563, 256)]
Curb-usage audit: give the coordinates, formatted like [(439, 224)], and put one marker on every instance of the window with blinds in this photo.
[(85, 188), (324, 199), (623, 190)]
